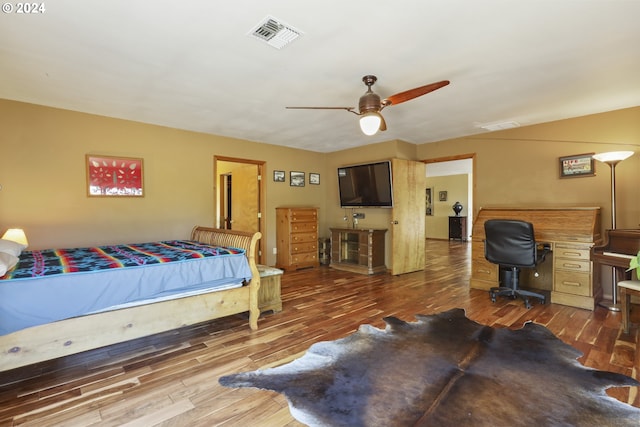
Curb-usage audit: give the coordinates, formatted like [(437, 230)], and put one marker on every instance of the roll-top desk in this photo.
[(570, 231)]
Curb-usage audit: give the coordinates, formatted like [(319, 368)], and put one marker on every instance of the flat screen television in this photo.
[(366, 185)]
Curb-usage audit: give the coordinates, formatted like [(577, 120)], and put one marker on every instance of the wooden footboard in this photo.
[(241, 240), (57, 339)]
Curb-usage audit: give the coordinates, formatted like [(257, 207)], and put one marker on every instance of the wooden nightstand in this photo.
[(458, 227)]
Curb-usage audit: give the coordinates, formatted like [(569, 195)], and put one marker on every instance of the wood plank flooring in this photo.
[(172, 379)]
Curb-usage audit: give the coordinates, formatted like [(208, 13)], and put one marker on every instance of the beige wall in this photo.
[(457, 188), (42, 174), (374, 217), (520, 166)]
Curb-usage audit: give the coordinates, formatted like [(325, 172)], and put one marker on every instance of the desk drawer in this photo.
[(484, 270), (572, 265), (572, 252), (572, 283)]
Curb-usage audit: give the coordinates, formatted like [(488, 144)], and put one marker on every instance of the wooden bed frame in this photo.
[(79, 334)]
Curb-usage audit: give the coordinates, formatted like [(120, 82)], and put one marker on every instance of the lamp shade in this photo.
[(612, 156), (370, 123), (17, 235)]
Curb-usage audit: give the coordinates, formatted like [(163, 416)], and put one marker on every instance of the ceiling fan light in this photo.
[(370, 123)]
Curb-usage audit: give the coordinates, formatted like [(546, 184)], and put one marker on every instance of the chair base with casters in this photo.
[(514, 291)]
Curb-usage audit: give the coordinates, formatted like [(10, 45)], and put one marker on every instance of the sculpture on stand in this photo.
[(457, 208)]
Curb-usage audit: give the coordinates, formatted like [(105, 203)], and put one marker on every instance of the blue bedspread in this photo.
[(52, 285)]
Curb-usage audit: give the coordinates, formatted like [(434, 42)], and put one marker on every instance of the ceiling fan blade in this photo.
[(408, 95), (321, 108)]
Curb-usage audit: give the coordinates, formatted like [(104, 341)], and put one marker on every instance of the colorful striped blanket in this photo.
[(60, 261)]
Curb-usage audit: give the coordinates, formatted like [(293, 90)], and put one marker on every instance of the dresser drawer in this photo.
[(302, 258), (303, 226), (311, 237), (304, 247), (572, 265), (572, 283), (304, 215)]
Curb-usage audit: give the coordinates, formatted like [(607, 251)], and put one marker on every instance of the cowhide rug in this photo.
[(445, 370)]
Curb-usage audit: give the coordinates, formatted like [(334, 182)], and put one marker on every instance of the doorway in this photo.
[(239, 196), (456, 165)]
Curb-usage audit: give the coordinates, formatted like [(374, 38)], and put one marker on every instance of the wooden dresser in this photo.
[(296, 237), (571, 232)]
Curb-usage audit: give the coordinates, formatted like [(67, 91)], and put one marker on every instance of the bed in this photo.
[(204, 291)]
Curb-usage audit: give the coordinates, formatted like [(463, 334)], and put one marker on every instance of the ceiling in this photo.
[(193, 65)]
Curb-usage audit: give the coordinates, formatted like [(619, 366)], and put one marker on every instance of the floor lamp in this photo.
[(612, 158)]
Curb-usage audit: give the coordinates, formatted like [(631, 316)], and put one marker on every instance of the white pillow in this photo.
[(7, 262), (11, 247)]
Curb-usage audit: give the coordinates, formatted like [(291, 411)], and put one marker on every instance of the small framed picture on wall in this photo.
[(578, 165), (296, 179)]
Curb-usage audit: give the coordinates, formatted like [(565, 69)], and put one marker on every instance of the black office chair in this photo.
[(511, 244)]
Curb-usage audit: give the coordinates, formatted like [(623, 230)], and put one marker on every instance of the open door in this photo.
[(240, 196), (244, 198), (409, 209)]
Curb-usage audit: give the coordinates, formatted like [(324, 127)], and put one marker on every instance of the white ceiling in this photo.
[(192, 65)]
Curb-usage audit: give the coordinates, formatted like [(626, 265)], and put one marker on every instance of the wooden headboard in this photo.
[(231, 238)]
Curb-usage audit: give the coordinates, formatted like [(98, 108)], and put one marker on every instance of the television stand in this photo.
[(358, 250)]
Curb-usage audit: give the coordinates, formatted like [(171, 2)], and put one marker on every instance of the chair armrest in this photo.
[(542, 251)]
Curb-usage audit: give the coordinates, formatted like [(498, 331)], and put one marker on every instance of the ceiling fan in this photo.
[(370, 105)]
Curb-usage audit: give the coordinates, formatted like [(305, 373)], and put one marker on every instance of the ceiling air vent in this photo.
[(499, 126), (274, 32)]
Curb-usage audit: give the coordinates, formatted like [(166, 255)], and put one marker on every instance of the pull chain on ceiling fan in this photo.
[(370, 105)]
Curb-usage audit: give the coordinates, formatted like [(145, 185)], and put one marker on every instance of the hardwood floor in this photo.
[(172, 379)]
